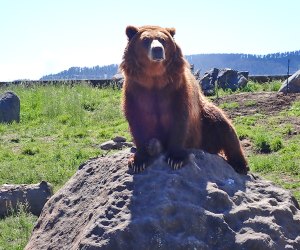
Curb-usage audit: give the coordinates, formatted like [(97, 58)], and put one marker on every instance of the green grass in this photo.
[(295, 109), (15, 230), (275, 154), (250, 103), (255, 87), (62, 126), (252, 87), (230, 105)]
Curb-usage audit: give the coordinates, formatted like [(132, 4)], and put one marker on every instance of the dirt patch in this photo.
[(270, 103), (247, 146)]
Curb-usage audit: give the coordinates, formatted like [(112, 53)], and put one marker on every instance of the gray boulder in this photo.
[(231, 79), (224, 78), (208, 81), (292, 84), (9, 107), (31, 196), (118, 79), (204, 205)]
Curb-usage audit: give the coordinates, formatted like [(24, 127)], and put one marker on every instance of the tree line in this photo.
[(270, 64), (85, 73)]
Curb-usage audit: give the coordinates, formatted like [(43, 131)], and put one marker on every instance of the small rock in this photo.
[(32, 196), (115, 145), (108, 145), (9, 107), (119, 139)]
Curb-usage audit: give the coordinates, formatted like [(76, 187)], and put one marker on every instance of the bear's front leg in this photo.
[(177, 156), (138, 124)]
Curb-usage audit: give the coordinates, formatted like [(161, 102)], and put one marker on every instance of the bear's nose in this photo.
[(157, 51)]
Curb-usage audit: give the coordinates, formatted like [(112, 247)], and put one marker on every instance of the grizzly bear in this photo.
[(164, 104)]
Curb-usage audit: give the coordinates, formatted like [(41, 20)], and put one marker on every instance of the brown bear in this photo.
[(164, 105)]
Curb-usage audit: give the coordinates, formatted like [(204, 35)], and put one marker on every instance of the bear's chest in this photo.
[(156, 107), (156, 103)]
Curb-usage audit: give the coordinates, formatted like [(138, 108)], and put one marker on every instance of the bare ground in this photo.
[(258, 103), (266, 103)]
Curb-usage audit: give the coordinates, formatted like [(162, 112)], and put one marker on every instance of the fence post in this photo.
[(288, 75), (217, 88)]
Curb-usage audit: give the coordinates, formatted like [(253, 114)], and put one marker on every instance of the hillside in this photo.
[(271, 64), (78, 73)]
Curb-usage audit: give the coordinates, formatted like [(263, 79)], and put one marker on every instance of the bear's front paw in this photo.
[(242, 169), (177, 158), (137, 163), (239, 164)]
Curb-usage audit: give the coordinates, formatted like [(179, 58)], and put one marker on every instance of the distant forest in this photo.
[(270, 64), (85, 73)]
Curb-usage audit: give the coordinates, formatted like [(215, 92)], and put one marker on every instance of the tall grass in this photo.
[(15, 230), (252, 87)]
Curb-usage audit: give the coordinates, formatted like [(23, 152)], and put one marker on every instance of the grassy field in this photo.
[(275, 151), (62, 126)]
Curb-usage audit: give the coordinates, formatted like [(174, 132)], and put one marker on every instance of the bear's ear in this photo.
[(172, 31), (131, 31)]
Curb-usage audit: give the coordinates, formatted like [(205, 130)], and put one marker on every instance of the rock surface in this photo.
[(9, 107), (292, 84), (204, 205), (32, 196)]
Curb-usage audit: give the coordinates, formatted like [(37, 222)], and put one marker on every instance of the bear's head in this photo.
[(151, 52)]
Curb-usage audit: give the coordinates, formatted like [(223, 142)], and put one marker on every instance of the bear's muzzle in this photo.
[(157, 51)]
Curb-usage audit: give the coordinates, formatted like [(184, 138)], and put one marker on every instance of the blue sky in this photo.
[(39, 37)]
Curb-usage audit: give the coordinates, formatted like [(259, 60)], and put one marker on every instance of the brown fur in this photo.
[(163, 101)]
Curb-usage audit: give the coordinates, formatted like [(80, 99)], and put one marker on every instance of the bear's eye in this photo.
[(146, 41), (162, 41)]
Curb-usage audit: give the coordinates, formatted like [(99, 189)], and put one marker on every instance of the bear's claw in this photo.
[(175, 164), (176, 159), (136, 168)]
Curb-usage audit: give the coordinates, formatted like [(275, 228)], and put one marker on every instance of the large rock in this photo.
[(9, 107), (204, 205), (224, 78), (292, 84)]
